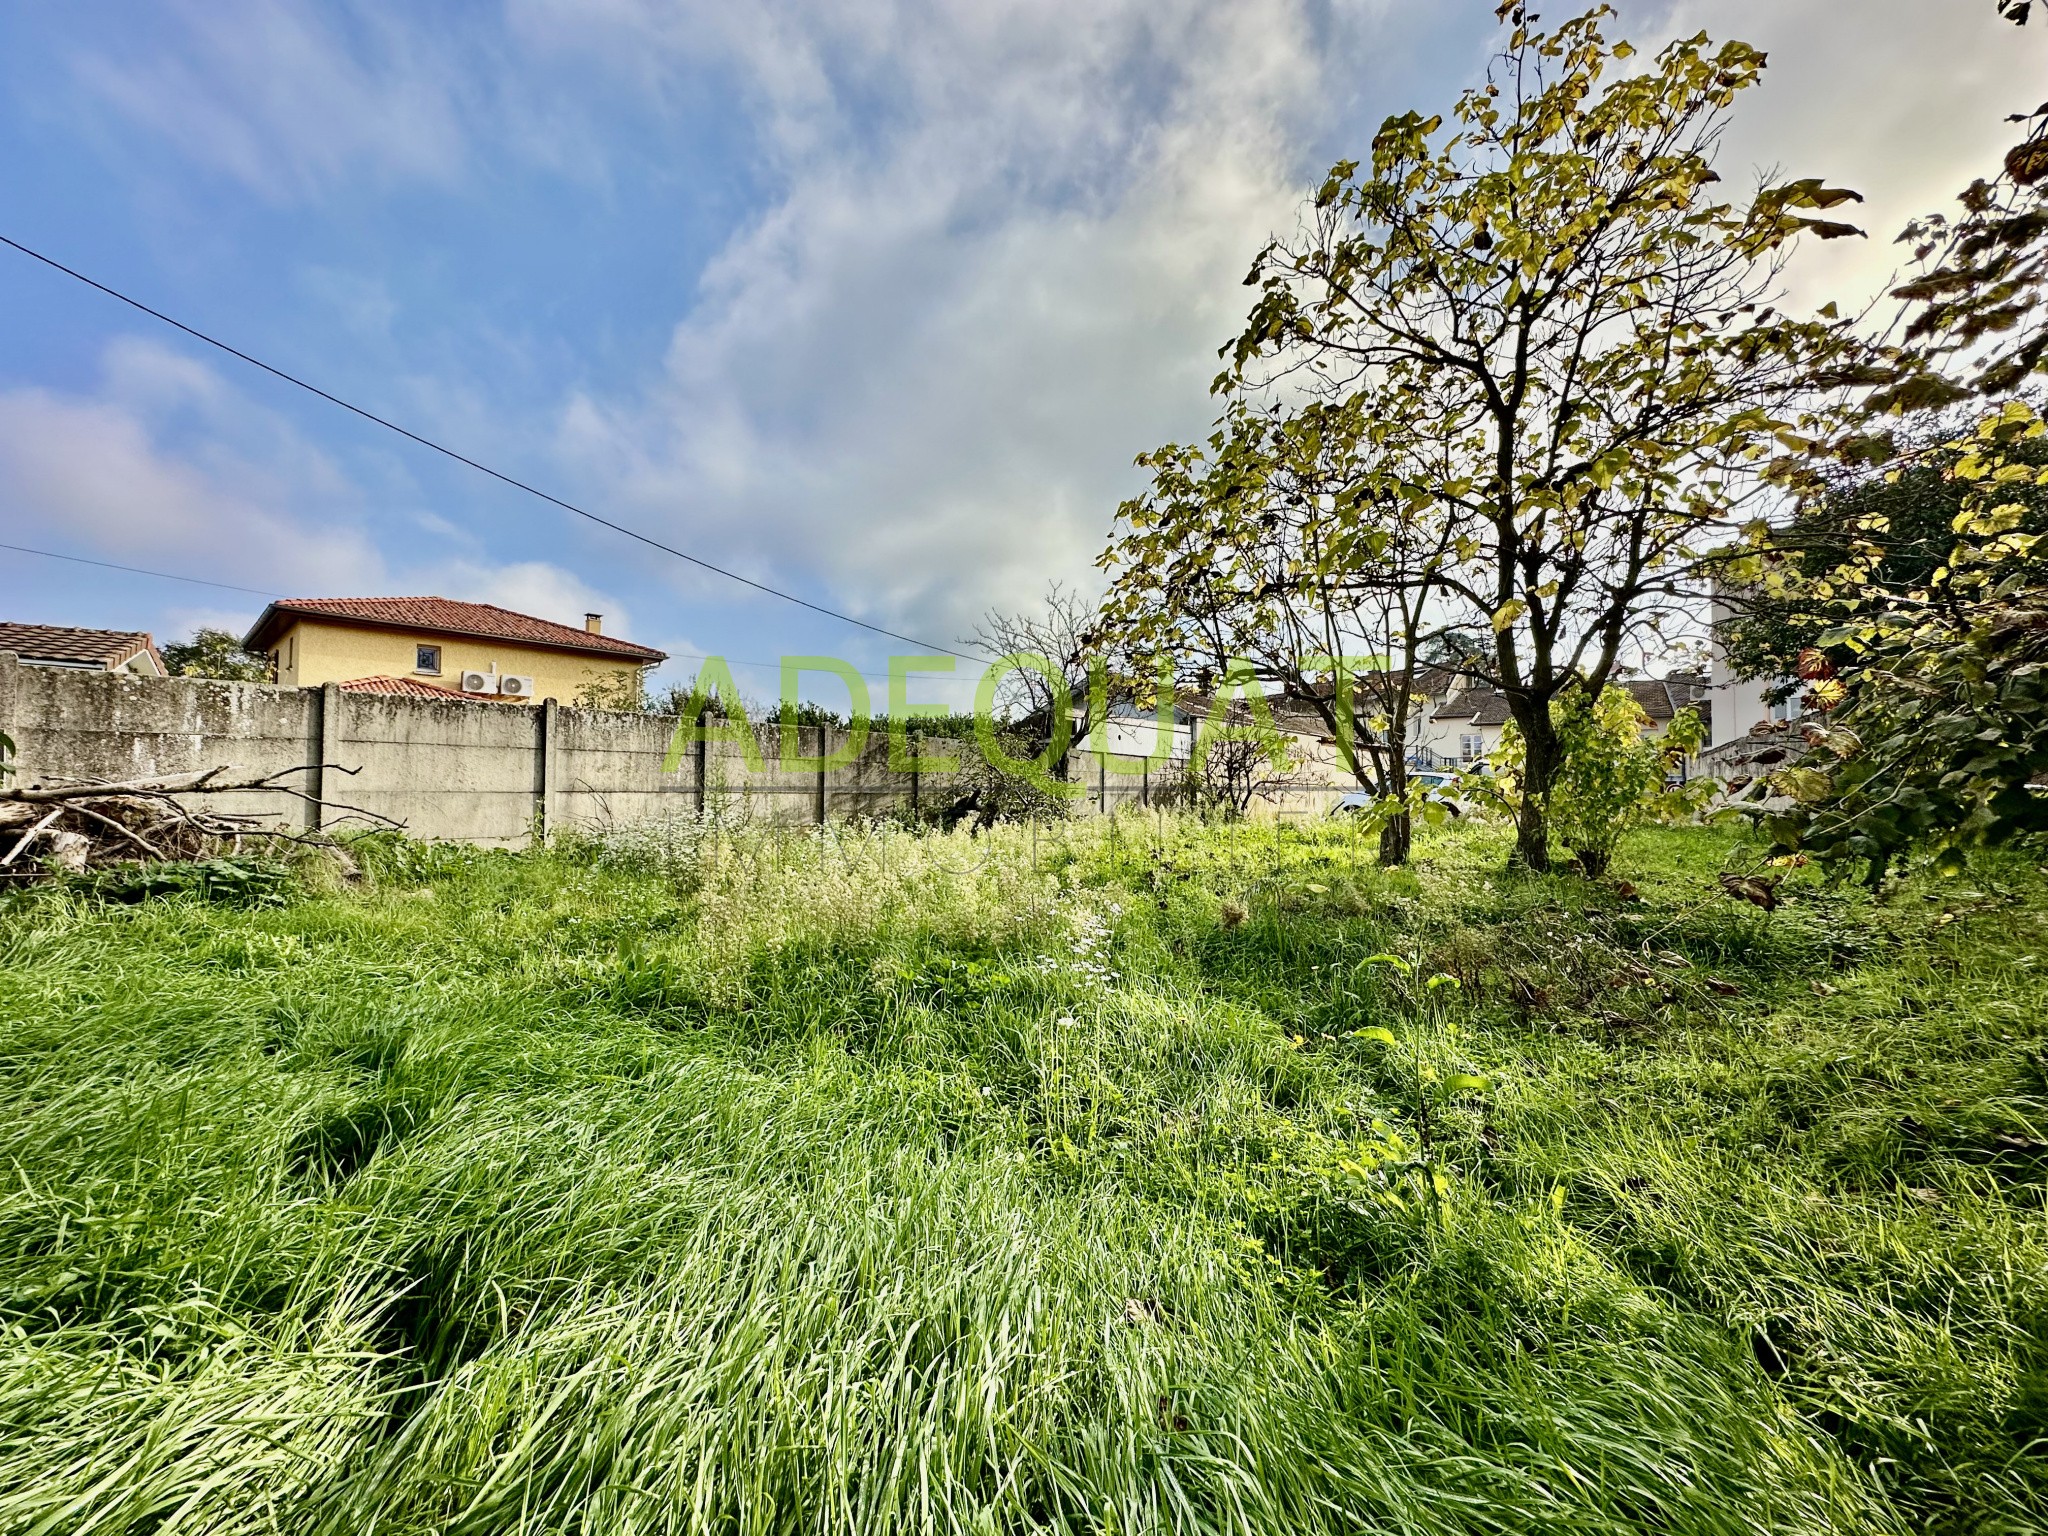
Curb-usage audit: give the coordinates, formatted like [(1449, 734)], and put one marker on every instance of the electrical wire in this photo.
[(135, 570), (516, 484)]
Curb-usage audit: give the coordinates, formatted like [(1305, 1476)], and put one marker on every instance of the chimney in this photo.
[(594, 622)]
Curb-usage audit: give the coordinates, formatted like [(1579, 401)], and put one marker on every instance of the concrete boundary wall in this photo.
[(485, 773), (493, 774)]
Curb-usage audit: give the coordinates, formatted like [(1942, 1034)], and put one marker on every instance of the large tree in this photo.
[(1564, 343), (1894, 521), (217, 654), (1271, 547), (1934, 596)]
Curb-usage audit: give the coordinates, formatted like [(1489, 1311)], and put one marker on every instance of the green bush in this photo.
[(1614, 778)]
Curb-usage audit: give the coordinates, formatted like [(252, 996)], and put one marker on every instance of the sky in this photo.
[(874, 301)]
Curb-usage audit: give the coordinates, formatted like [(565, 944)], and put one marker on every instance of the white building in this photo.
[(1740, 706), (1465, 725)]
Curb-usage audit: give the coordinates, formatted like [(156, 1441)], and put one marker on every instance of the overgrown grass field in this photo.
[(1145, 1177)]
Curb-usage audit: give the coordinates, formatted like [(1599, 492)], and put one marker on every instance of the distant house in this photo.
[(1744, 705), (1316, 765), (430, 646), (83, 650), (1464, 724), (1459, 721), (1453, 722)]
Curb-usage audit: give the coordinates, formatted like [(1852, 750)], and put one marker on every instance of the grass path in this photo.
[(1149, 1179)]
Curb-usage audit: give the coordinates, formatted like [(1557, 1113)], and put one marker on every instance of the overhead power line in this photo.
[(447, 452), (135, 570), (228, 586)]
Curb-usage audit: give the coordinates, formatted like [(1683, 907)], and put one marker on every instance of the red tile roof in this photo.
[(406, 685), (443, 616), (58, 643)]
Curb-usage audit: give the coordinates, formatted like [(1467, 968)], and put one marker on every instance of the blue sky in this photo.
[(874, 300)]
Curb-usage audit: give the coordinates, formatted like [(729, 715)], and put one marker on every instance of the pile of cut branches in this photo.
[(70, 826)]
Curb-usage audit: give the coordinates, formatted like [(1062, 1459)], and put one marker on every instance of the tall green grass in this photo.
[(741, 1181)]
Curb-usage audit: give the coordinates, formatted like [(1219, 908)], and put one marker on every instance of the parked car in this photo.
[(1436, 784)]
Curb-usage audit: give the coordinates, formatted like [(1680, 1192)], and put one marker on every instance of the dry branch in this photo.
[(198, 782), (105, 821), (30, 836)]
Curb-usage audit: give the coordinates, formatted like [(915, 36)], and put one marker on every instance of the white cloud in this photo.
[(1000, 245), (918, 380), (1011, 239), (530, 586), (1904, 101), (169, 468), (272, 93), (93, 471)]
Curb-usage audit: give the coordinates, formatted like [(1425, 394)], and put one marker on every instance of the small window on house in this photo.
[(1472, 744), (427, 658)]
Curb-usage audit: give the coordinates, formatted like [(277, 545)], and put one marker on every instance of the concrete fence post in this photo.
[(326, 744), (10, 707), (824, 751), (547, 770)]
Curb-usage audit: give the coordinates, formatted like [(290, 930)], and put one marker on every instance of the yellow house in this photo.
[(430, 645)]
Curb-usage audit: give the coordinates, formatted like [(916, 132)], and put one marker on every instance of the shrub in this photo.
[(1614, 778)]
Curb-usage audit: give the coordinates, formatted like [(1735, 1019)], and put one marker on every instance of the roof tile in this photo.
[(411, 686), (60, 643), (441, 615)]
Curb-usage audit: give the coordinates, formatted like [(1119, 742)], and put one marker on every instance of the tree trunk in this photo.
[(1541, 759), (1396, 837)]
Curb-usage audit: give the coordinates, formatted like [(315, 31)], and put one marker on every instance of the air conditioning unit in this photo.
[(515, 687), (479, 682)]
